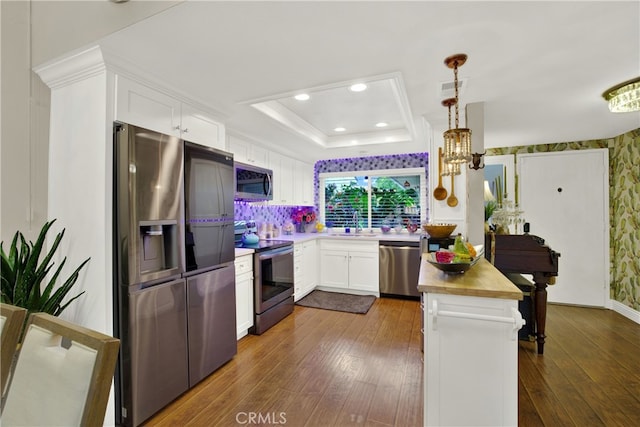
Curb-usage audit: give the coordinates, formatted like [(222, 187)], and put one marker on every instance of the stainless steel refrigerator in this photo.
[(175, 325)]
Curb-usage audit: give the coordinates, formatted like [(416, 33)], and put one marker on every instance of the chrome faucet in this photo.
[(355, 222)]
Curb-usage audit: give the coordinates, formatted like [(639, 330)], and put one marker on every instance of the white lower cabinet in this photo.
[(349, 266), (471, 361), (305, 262), (244, 294)]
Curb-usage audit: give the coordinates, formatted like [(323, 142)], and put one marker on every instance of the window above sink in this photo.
[(375, 199)]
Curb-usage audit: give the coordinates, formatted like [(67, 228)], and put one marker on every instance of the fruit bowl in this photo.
[(455, 267), (439, 231)]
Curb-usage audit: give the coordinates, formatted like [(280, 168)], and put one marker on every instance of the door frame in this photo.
[(604, 152)]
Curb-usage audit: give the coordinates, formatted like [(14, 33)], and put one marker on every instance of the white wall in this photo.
[(62, 26), (80, 181), (33, 32), (23, 150)]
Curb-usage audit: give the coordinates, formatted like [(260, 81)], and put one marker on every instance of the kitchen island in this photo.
[(470, 345)]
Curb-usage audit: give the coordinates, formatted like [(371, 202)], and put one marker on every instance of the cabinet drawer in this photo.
[(244, 264), (348, 245), (244, 276)]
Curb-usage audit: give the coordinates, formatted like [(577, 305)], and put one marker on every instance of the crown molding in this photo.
[(76, 66)]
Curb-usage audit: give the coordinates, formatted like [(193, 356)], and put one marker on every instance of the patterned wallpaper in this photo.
[(624, 205)]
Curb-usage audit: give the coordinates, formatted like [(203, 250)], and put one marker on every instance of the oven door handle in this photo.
[(274, 253)]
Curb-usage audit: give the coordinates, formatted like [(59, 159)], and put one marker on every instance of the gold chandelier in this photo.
[(450, 168), (624, 97), (457, 141)]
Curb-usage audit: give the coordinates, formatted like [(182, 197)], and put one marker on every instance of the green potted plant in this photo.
[(26, 281)]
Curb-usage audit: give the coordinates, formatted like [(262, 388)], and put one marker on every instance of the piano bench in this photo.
[(526, 306)]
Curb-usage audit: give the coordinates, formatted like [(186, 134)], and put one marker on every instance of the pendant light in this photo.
[(457, 141), (449, 167)]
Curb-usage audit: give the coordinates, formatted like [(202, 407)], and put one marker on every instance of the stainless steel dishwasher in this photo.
[(399, 268)]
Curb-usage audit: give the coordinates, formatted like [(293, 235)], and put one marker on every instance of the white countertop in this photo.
[(243, 251), (363, 235)]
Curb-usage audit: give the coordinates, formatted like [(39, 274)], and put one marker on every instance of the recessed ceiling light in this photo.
[(381, 125), (339, 129), (358, 87), (302, 96)]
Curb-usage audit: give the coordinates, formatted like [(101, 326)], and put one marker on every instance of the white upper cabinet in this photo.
[(247, 152), (303, 183), (282, 167), (198, 127), (143, 106), (140, 105), (292, 181)]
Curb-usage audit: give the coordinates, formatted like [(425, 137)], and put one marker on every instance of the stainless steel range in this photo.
[(272, 282)]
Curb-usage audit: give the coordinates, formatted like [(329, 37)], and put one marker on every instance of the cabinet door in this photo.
[(451, 382), (282, 179), (298, 270), (334, 269), (310, 265), (244, 294), (275, 162), (197, 126), (244, 303), (303, 184), (363, 271), (239, 148), (259, 155), (247, 152), (140, 105)]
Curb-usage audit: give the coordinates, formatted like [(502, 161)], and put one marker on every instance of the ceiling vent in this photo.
[(447, 89)]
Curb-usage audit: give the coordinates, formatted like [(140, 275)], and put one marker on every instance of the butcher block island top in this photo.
[(481, 280)]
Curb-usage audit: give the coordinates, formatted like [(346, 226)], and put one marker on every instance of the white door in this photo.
[(565, 196)]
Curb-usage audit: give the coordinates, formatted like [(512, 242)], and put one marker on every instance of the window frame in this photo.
[(421, 172)]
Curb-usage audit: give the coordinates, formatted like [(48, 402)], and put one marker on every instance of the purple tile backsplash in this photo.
[(261, 212)]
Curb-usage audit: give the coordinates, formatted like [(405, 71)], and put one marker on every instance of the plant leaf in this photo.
[(23, 274)]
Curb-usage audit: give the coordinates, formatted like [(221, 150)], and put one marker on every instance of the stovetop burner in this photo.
[(264, 245)]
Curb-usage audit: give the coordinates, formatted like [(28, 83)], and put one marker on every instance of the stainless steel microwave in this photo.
[(253, 183)]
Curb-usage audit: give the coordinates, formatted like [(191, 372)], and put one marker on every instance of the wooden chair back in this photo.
[(63, 375), (11, 322)]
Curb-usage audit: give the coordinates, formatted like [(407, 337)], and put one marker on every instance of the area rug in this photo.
[(338, 301)]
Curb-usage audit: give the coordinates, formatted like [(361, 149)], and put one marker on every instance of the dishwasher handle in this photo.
[(399, 244)]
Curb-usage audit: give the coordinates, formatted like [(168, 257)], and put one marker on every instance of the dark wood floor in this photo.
[(324, 368)]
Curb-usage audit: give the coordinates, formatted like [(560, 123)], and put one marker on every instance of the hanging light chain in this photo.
[(455, 82)]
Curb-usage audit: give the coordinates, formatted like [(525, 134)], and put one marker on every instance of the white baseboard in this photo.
[(625, 310)]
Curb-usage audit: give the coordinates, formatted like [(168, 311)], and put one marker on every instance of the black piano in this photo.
[(516, 254)]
